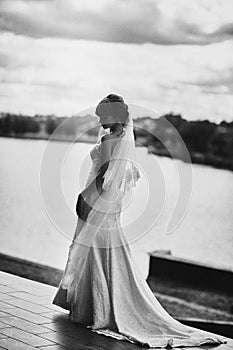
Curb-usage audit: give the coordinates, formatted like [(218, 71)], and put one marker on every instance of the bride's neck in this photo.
[(117, 130)]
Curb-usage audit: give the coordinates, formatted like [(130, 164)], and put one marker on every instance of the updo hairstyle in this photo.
[(113, 105)]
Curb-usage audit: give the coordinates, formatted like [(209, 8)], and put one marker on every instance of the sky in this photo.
[(63, 56)]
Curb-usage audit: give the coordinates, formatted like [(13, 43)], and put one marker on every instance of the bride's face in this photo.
[(107, 121)]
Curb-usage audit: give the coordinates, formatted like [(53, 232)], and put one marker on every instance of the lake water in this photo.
[(32, 229)]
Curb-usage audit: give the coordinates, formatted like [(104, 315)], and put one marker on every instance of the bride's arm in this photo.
[(106, 149), (88, 196)]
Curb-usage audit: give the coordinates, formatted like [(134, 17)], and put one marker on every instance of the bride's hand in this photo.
[(82, 208)]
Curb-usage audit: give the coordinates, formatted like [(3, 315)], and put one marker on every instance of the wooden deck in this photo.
[(28, 320)]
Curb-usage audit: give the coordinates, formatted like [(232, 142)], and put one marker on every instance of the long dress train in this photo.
[(107, 293)]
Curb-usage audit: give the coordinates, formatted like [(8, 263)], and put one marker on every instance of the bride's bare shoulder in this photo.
[(108, 141), (108, 137)]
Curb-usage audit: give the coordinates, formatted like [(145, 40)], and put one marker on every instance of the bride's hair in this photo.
[(113, 104)]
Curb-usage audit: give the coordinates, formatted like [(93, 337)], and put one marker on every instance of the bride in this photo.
[(101, 286)]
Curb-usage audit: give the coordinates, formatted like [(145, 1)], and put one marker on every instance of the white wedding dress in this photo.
[(107, 292)]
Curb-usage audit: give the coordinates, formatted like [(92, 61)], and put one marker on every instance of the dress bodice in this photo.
[(95, 157), (94, 152)]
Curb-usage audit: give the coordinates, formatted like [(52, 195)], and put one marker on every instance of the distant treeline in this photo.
[(207, 142), (19, 124)]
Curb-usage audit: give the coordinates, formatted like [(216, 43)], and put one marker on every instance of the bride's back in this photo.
[(109, 142)]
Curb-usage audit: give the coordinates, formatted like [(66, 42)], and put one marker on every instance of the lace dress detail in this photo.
[(107, 293), (94, 154)]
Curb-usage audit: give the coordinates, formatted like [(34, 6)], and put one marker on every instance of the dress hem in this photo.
[(171, 342)]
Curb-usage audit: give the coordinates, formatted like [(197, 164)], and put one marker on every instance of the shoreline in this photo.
[(45, 138), (196, 158)]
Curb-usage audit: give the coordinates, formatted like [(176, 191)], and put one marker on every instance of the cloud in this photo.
[(54, 75), (165, 22)]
